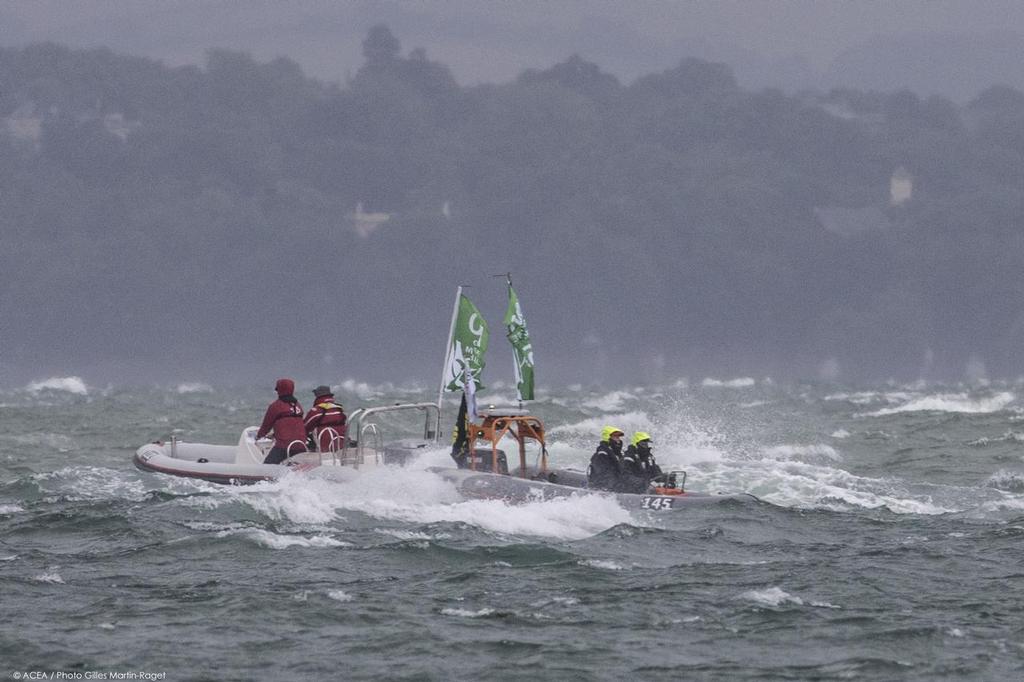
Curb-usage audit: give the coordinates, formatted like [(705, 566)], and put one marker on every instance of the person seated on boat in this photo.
[(638, 465), (284, 419), (325, 421), (605, 472)]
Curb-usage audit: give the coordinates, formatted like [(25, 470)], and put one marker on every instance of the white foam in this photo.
[(1007, 437), (741, 382), (868, 397), (572, 518), (410, 534), (340, 595), (10, 509), (466, 613), (422, 497), (359, 388), (608, 403), (563, 601), (840, 433), (804, 452), (59, 442), (630, 421), (211, 526), (275, 541), (69, 384), (791, 483), (951, 402), (602, 564), (92, 483), (298, 499), (1010, 481), (51, 576), (362, 389), (771, 596), (193, 387)]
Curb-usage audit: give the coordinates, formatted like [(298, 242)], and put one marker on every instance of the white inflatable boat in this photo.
[(243, 463)]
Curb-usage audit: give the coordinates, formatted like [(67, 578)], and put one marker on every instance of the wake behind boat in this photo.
[(243, 463)]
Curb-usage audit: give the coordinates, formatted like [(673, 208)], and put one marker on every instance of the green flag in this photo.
[(522, 351), (469, 344)]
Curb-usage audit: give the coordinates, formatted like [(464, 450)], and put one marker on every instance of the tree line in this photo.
[(207, 217)]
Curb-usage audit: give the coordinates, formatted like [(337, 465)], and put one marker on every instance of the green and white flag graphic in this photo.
[(469, 344), (522, 351)]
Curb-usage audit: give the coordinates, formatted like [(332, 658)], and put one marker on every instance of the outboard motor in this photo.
[(670, 483)]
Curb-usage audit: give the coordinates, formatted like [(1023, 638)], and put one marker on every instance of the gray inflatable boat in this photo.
[(484, 472), (557, 483)]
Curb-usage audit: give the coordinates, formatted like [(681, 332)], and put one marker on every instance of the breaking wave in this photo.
[(741, 382), (67, 384), (951, 402), (193, 387)]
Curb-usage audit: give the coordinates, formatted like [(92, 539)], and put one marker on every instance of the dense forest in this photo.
[(243, 218)]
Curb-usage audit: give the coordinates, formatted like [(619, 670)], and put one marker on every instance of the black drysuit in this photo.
[(605, 471), (638, 469)]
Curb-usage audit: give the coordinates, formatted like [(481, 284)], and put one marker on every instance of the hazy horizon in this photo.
[(726, 328)]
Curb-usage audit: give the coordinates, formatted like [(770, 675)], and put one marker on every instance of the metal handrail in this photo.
[(357, 422), (378, 443), (430, 409), (288, 451)]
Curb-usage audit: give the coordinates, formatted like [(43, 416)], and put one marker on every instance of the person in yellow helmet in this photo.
[(605, 472), (638, 465)]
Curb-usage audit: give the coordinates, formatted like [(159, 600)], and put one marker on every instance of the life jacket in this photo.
[(325, 424)]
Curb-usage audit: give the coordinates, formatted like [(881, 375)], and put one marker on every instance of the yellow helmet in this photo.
[(640, 436), (606, 432)]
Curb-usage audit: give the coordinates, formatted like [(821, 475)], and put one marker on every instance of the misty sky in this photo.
[(494, 41), (719, 199)]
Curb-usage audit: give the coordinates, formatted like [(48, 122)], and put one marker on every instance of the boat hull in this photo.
[(200, 461), (518, 490)]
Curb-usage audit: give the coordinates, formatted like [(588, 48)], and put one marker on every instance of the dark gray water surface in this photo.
[(889, 545)]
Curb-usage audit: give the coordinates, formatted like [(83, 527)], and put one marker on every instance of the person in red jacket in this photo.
[(325, 422), (284, 418)]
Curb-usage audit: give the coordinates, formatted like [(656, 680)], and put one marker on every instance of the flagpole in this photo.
[(515, 367), (508, 278), (447, 349)]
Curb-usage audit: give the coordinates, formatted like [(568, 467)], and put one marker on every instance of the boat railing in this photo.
[(289, 455), (364, 427), (365, 431)]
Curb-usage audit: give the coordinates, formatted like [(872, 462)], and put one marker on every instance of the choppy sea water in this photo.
[(889, 544)]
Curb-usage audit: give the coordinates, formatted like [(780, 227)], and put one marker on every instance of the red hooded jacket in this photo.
[(284, 418)]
